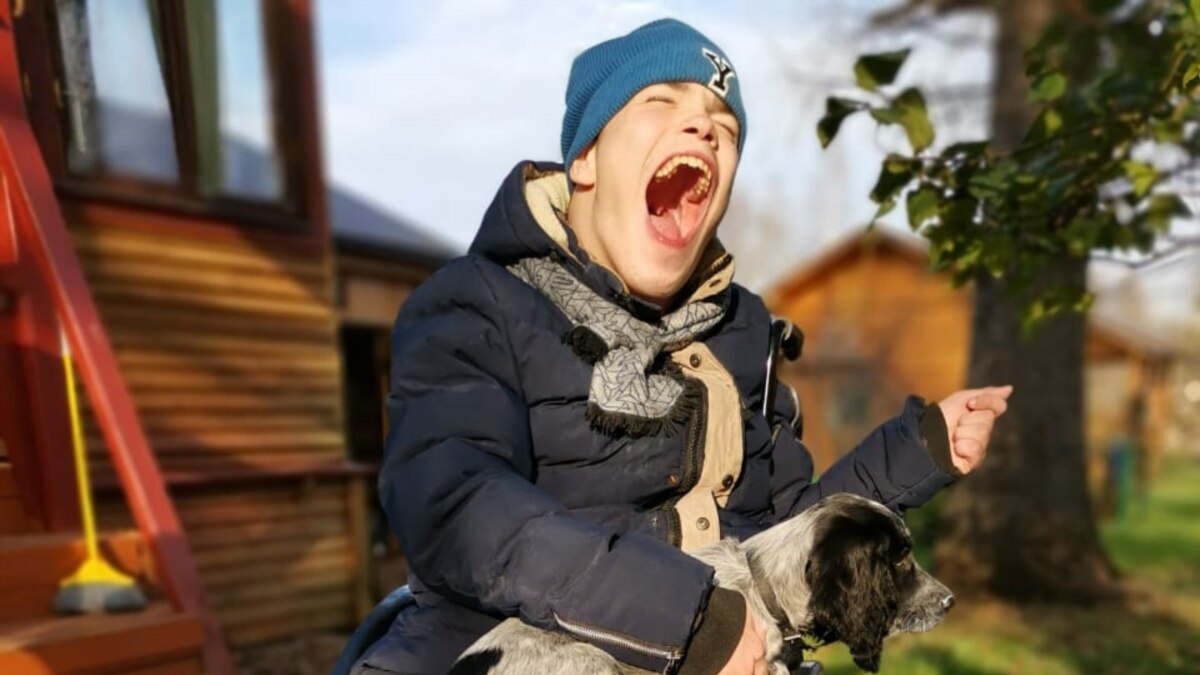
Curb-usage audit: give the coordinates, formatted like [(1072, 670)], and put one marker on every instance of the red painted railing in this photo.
[(41, 235)]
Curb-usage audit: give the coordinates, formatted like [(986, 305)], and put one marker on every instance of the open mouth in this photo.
[(677, 198)]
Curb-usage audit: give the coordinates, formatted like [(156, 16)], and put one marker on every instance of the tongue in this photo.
[(667, 225), (665, 202)]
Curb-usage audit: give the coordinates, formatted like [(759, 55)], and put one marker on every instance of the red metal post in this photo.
[(41, 229)]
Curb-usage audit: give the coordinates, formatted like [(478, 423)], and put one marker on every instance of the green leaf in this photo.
[(1049, 87), (836, 111), (957, 215), (1167, 206), (874, 70), (916, 120), (922, 205), (1192, 77), (895, 175), (1048, 122), (1052, 121), (908, 110), (1167, 131), (993, 181), (1141, 175), (884, 209), (889, 115), (969, 149), (1195, 6)]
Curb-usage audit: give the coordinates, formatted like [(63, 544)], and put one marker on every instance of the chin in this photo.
[(659, 289)]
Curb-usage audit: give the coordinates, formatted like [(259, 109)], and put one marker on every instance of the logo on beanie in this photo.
[(720, 79)]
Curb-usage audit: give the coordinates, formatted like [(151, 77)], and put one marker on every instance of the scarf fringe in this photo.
[(586, 344), (623, 424)]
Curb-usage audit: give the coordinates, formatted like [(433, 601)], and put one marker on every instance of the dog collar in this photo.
[(767, 594)]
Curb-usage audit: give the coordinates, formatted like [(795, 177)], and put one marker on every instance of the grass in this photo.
[(1156, 631)]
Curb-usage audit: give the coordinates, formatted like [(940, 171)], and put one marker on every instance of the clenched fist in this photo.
[(970, 415)]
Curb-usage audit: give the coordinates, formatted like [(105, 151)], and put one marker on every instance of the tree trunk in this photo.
[(1021, 527)]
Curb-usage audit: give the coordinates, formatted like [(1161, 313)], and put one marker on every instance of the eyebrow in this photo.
[(720, 107)]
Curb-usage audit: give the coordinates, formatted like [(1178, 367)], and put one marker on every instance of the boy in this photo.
[(578, 398)]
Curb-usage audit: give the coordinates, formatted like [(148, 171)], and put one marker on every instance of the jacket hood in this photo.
[(527, 218), (511, 230)]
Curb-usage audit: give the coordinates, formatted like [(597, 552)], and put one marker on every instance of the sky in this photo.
[(426, 106)]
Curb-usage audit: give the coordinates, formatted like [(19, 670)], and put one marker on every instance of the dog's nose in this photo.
[(947, 602)]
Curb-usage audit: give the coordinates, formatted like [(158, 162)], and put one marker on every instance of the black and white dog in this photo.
[(841, 570)]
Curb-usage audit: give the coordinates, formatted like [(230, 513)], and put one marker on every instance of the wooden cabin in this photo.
[(165, 210), (879, 325)]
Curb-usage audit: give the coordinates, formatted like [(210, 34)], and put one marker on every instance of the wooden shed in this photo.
[(164, 208), (879, 325)]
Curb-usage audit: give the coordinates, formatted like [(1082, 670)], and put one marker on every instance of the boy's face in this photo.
[(654, 185)]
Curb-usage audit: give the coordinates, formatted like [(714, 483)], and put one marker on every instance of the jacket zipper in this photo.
[(674, 529), (619, 640), (693, 452), (692, 464)]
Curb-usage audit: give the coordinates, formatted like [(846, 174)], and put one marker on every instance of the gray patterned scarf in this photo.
[(625, 396)]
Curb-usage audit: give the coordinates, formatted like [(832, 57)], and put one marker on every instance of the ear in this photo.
[(583, 167), (853, 593)]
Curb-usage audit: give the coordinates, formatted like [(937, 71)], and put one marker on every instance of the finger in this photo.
[(1002, 392), (968, 448), (980, 435), (759, 630), (987, 401), (976, 432), (978, 418), (971, 448)]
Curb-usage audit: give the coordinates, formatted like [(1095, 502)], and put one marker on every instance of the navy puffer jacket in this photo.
[(508, 503)]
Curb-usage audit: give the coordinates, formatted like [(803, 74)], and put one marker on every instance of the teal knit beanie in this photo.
[(606, 76)]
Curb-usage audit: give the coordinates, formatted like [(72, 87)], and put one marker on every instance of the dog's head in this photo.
[(863, 581)]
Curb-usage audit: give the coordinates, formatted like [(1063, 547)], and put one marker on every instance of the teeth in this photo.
[(674, 163), (701, 187)]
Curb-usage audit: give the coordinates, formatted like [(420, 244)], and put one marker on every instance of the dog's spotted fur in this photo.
[(842, 570)]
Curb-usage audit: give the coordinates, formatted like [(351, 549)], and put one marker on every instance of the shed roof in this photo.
[(365, 228), (1115, 333)]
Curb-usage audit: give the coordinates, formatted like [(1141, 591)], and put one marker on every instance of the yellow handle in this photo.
[(81, 472)]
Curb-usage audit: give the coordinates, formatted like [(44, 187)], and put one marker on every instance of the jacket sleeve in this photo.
[(456, 484), (902, 464)]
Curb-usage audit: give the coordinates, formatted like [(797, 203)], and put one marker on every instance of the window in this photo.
[(119, 117), (172, 101)]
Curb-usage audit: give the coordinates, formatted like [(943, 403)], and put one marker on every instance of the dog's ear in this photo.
[(853, 591)]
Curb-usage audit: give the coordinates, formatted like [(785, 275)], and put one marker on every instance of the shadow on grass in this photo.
[(925, 659), (1139, 636), (1143, 636)]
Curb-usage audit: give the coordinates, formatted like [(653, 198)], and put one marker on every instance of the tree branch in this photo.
[(905, 11), (1175, 245)]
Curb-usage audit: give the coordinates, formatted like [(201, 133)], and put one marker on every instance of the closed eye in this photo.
[(660, 99)]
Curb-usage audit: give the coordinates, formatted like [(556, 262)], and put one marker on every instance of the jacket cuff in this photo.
[(932, 425), (719, 633)]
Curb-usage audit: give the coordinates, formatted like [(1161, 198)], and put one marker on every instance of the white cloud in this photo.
[(429, 125)]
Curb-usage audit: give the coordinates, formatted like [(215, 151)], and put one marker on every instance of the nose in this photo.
[(701, 126), (947, 603)]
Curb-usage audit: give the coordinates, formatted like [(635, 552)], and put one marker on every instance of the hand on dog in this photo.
[(750, 655), (970, 415)]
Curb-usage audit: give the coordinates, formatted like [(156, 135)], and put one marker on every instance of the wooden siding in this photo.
[(371, 291), (230, 349), (880, 325), (877, 327)]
